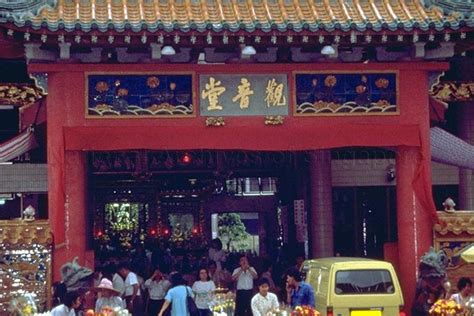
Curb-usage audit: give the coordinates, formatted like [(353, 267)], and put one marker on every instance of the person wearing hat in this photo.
[(108, 296)]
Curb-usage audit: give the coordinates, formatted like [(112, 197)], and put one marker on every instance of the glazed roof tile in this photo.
[(247, 15)]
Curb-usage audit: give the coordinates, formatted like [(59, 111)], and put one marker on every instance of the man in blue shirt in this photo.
[(299, 293)]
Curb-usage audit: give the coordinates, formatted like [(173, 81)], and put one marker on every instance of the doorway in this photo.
[(364, 219)]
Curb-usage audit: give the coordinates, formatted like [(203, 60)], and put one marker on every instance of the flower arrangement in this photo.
[(304, 311), (298, 311), (23, 306), (108, 311), (224, 303), (446, 308), (224, 307)]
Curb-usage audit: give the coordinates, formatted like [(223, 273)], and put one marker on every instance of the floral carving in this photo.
[(382, 83), (215, 121), (330, 81), (102, 87), (153, 82), (122, 92)]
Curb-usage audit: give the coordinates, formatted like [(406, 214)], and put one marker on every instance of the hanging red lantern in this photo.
[(186, 159)]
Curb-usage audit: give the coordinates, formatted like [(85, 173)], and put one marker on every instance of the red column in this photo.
[(414, 223), (75, 208), (321, 228), (69, 220), (55, 150), (67, 177)]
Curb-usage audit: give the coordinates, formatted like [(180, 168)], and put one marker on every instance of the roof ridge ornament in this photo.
[(20, 10), (448, 7)]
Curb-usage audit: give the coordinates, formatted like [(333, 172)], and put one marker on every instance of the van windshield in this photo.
[(364, 282)]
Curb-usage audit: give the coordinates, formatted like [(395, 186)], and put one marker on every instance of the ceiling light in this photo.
[(248, 50), (168, 50), (328, 50)]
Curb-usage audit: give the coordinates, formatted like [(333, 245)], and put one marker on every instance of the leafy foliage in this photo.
[(232, 229)]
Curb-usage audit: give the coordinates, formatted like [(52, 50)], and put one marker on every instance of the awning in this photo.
[(451, 150), (18, 145)]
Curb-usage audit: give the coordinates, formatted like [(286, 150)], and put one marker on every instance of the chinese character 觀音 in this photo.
[(212, 91), (274, 94), (243, 93)]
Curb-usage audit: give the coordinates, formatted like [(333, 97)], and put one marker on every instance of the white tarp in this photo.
[(17, 146), (451, 150)]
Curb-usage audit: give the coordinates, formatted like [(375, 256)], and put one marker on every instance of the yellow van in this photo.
[(354, 287)]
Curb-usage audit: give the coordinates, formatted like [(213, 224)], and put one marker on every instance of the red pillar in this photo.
[(55, 151), (75, 207), (67, 178), (70, 218), (414, 222), (321, 228)]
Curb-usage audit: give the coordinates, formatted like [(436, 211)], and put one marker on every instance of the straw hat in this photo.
[(106, 285)]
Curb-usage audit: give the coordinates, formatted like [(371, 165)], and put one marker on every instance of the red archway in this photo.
[(70, 134)]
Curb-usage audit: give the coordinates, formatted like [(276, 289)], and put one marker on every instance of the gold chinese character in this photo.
[(274, 94), (212, 92), (243, 93)]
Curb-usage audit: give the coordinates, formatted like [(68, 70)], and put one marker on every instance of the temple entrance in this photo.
[(180, 200), (254, 202)]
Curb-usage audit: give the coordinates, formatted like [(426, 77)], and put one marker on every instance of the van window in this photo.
[(364, 282)]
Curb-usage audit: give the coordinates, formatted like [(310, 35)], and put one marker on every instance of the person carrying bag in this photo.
[(192, 308), (182, 303)]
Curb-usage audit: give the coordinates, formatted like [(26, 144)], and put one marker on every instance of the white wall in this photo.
[(372, 172)]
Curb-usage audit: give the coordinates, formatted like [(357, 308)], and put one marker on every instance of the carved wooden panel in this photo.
[(25, 262), (452, 234)]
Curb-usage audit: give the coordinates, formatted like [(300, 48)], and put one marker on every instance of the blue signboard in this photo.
[(140, 95), (243, 94), (345, 93)]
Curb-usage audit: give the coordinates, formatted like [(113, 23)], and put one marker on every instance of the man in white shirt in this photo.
[(132, 290), (118, 284), (157, 286), (244, 275), (264, 302), (72, 301)]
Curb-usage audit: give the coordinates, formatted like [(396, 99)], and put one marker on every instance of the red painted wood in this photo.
[(69, 130)]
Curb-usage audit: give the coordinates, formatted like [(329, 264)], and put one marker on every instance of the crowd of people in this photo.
[(161, 285)]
